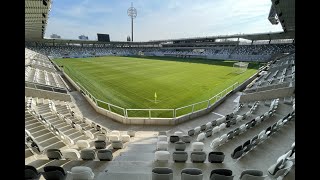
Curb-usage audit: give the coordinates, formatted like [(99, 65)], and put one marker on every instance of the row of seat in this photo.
[(195, 156), (58, 173), (243, 149), (244, 127), (165, 173), (85, 154)]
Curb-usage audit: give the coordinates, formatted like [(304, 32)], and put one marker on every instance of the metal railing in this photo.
[(45, 87), (158, 113)]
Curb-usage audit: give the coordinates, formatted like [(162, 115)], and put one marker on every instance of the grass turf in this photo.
[(131, 82)]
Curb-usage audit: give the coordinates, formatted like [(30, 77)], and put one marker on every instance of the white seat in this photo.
[(215, 130), (89, 134), (242, 128), (215, 143), (258, 119), (114, 138), (221, 119), (68, 141), (262, 135), (197, 146), (208, 125), (222, 126), (239, 118), (125, 138), (101, 137), (223, 139), (178, 133), (201, 136), (162, 145), (131, 133), (78, 127), (197, 129), (114, 132), (71, 154), (162, 138), (162, 155), (82, 144), (82, 173)]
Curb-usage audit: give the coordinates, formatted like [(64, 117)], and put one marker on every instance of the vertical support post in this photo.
[(174, 113), (109, 107), (149, 114), (132, 29), (124, 112), (192, 108), (208, 103)]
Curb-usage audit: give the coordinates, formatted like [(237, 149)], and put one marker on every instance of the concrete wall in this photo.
[(46, 94), (266, 95)]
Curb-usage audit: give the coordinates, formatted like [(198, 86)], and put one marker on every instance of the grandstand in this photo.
[(246, 131)]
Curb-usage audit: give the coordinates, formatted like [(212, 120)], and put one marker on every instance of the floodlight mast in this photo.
[(132, 12)]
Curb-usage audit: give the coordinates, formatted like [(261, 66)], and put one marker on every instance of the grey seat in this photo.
[(255, 140), (228, 123), (230, 135), (87, 154), (54, 173), (209, 133), (174, 139), (180, 146), (186, 139), (268, 131), (117, 144), (213, 123), (221, 174), (216, 157), (180, 156), (247, 146), (100, 144), (54, 154), (104, 155), (31, 173), (198, 156), (203, 127), (191, 174), (162, 173), (191, 132), (236, 132), (237, 152), (252, 174)]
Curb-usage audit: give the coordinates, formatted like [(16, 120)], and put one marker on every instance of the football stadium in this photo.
[(217, 107)]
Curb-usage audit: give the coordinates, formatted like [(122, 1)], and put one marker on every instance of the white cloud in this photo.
[(174, 19)]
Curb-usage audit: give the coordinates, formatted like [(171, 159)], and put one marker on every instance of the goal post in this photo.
[(240, 67)]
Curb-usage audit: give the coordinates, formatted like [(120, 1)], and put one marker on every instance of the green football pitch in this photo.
[(132, 82)]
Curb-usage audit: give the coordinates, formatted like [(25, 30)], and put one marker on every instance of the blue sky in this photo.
[(158, 19)]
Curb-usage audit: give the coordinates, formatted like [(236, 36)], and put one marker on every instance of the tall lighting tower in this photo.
[(132, 12)]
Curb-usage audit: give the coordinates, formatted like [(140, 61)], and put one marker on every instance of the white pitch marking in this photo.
[(217, 114)]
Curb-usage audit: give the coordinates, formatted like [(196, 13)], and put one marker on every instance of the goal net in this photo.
[(240, 67)]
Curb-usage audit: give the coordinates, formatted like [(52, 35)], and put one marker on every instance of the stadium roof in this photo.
[(285, 10), (36, 16)]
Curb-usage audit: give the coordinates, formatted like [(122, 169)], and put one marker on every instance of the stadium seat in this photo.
[(162, 145), (252, 174), (208, 133), (215, 143), (71, 154), (83, 144), (180, 156), (221, 174), (186, 139), (131, 133), (223, 139), (162, 173), (117, 144), (100, 144), (191, 174), (125, 138), (162, 155), (191, 132), (237, 152), (82, 173), (216, 157), (215, 130), (54, 154), (101, 137), (162, 138), (197, 146), (87, 154), (54, 173), (31, 173), (104, 155), (174, 139), (198, 156), (201, 136), (180, 146), (178, 133)]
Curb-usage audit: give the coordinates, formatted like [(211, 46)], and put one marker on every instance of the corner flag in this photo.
[(155, 96)]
